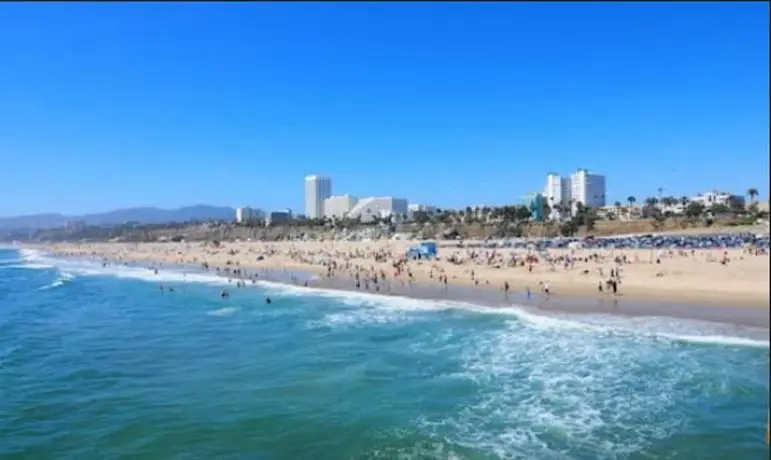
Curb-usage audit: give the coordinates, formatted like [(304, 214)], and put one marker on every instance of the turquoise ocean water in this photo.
[(97, 363)]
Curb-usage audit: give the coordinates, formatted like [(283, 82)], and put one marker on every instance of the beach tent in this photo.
[(425, 250), (428, 248)]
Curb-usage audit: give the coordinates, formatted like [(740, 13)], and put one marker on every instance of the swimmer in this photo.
[(267, 300)]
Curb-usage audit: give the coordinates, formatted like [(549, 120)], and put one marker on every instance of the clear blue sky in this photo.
[(115, 105)]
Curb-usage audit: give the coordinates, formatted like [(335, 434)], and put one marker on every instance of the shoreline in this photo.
[(699, 292), (483, 295)]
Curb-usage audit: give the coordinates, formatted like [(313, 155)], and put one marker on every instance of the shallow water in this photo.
[(97, 362)]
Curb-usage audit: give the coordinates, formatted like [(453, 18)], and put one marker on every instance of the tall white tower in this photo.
[(557, 195), (317, 189), (588, 188)]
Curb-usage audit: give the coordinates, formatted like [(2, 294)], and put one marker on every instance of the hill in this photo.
[(147, 215)]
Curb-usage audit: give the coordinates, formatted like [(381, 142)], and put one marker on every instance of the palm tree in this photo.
[(558, 210), (752, 193), (522, 213), (631, 200)]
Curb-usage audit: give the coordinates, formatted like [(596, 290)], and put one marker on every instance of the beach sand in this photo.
[(651, 281)]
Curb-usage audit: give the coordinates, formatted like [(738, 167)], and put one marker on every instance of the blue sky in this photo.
[(115, 105)]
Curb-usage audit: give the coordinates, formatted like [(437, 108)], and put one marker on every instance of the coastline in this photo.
[(572, 302), (698, 280)]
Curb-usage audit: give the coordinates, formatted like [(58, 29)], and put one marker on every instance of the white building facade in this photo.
[(278, 217), (317, 189), (416, 211), (243, 215), (247, 214), (714, 197), (339, 206), (557, 194), (587, 188), (367, 208)]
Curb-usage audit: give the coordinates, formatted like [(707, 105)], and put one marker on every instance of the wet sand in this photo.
[(487, 296)]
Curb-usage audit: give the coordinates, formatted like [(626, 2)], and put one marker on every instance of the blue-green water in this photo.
[(99, 363)]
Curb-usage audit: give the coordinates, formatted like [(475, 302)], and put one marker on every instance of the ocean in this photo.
[(99, 363)]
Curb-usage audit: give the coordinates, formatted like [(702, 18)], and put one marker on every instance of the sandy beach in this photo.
[(726, 278)]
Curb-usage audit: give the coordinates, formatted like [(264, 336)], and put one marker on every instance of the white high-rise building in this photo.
[(557, 195), (317, 189), (247, 214), (243, 214), (587, 188)]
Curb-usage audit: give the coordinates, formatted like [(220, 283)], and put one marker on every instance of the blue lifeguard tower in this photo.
[(425, 250)]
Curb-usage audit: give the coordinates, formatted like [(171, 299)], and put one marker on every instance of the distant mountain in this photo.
[(144, 215)]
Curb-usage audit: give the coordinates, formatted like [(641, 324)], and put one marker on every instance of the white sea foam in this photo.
[(36, 259), (364, 308), (358, 299), (31, 266), (227, 311), (373, 308), (362, 316), (556, 380), (63, 278)]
